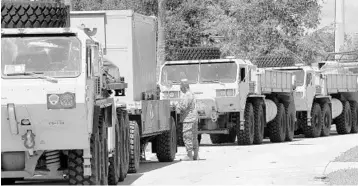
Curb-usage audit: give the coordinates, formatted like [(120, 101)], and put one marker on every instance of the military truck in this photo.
[(340, 74), (57, 117), (307, 91), (129, 41), (320, 97), (234, 99), (70, 89)]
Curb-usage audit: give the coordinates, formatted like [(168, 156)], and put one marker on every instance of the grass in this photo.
[(343, 177), (349, 156)]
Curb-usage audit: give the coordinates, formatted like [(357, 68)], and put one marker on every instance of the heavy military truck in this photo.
[(340, 74), (129, 41), (57, 118), (234, 99), (320, 97), (306, 93)]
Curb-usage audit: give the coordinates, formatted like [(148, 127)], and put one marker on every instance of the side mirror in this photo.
[(294, 83)]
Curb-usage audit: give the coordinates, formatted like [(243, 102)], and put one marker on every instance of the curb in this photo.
[(334, 166)]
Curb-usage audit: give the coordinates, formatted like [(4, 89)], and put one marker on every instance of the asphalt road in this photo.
[(301, 162)]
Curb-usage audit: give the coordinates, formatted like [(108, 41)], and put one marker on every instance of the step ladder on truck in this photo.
[(129, 41)]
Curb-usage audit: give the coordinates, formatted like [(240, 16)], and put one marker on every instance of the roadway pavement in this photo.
[(300, 162)]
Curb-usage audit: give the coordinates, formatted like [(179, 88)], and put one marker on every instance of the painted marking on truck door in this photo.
[(58, 122)]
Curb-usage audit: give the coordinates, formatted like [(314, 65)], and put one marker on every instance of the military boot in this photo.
[(188, 157)]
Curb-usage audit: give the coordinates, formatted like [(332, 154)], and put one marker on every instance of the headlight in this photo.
[(61, 101), (230, 92), (225, 92), (171, 94), (299, 94)]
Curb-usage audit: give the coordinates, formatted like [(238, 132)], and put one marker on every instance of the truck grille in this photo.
[(318, 89), (252, 87)]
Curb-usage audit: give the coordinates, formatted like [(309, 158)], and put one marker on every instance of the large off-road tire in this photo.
[(274, 61), (344, 121), (75, 165), (7, 181), (124, 145), (104, 161), (246, 136), (134, 147), (278, 125), (315, 129), (291, 117), (167, 144), (197, 53), (115, 160), (260, 122), (354, 109), (119, 162), (326, 119), (224, 138), (231, 137), (34, 15), (217, 138), (99, 160)]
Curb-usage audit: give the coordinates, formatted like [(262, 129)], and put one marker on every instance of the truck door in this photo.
[(243, 81), (310, 89)]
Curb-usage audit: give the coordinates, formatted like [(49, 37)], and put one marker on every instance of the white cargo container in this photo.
[(129, 41)]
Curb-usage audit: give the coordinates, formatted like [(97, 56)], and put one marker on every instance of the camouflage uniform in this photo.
[(189, 117)]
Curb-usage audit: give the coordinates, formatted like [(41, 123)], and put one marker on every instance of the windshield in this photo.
[(175, 73), (50, 56), (300, 77), (218, 72)]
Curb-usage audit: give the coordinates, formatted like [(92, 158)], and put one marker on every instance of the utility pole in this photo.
[(355, 41), (340, 25)]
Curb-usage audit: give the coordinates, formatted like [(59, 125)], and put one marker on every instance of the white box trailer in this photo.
[(129, 42)]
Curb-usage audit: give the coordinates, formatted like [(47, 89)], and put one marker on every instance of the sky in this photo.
[(351, 14)]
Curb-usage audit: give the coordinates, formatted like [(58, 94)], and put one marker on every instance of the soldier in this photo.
[(189, 118)]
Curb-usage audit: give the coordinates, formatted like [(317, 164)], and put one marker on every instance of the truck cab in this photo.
[(221, 86), (44, 74)]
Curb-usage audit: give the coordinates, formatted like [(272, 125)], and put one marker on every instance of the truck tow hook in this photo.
[(29, 141)]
